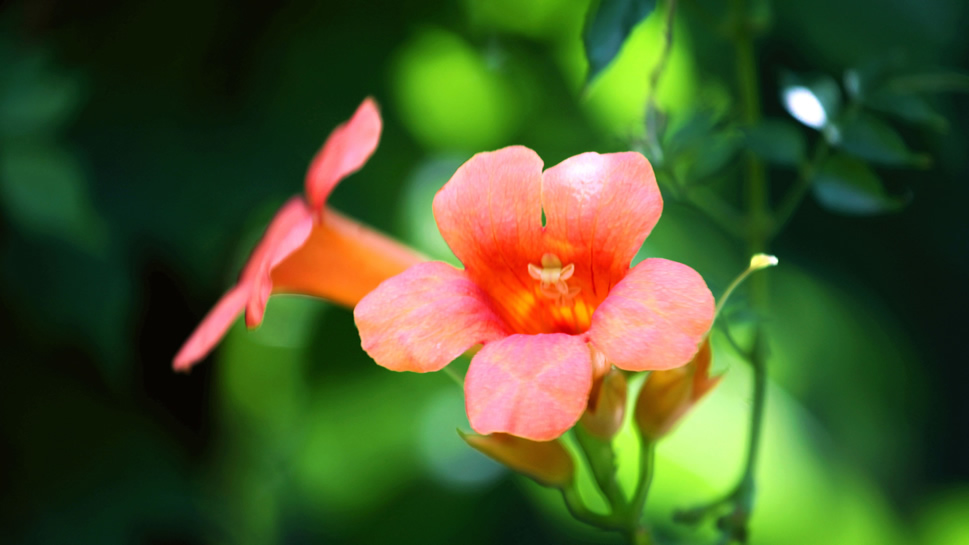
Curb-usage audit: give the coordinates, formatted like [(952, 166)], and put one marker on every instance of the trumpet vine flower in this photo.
[(546, 288), (308, 248)]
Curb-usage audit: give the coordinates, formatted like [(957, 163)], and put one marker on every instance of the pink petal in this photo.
[(287, 231), (655, 318), (490, 214), (599, 210), (423, 318), (531, 386), (344, 152), (213, 327)]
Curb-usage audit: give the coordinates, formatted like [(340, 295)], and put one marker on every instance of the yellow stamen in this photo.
[(552, 276)]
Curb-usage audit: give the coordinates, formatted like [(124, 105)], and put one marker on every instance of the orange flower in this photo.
[(667, 396), (309, 248), (546, 300)]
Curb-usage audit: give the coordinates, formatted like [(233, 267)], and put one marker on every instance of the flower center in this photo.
[(552, 277)]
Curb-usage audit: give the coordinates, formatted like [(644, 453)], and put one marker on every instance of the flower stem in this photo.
[(454, 374), (759, 231), (579, 511), (797, 192), (602, 462), (625, 516), (652, 117), (647, 455)]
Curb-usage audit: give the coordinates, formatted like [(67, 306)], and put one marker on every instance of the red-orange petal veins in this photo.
[(422, 319), (599, 210), (655, 318), (344, 152), (490, 214), (530, 386)]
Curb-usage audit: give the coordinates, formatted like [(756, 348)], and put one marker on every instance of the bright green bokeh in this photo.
[(616, 99), (450, 96)]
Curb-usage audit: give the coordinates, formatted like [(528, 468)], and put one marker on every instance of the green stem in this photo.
[(758, 206), (455, 375), (579, 511), (647, 455), (652, 121), (602, 462), (797, 192)]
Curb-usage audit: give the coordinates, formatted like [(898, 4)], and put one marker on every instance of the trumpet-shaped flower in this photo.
[(553, 301), (309, 248)]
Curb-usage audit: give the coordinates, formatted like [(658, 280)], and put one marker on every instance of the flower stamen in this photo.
[(552, 276)]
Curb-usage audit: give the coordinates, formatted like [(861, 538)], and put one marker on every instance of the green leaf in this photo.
[(938, 82), (34, 97), (907, 107), (814, 102), (870, 138), (847, 185), (43, 190), (777, 141), (609, 24)]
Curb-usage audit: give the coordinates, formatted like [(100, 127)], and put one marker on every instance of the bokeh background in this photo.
[(145, 145)]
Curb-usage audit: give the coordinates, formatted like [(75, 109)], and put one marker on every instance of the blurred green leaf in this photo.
[(448, 95), (609, 25), (815, 102), (870, 138), (34, 98), (777, 141), (43, 189), (938, 82), (907, 107), (847, 185), (694, 130), (717, 151), (701, 146), (871, 74)]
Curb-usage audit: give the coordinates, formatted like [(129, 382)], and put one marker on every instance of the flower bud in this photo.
[(548, 462), (607, 406), (667, 396), (762, 261)]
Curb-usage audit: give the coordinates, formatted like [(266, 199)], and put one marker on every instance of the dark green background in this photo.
[(144, 145)]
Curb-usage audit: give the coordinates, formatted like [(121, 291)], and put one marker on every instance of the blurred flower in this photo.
[(547, 462), (555, 305), (308, 248), (607, 406), (667, 396)]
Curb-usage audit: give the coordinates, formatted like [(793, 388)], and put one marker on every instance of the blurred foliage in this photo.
[(143, 147)]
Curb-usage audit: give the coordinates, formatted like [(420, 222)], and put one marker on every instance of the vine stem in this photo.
[(797, 192), (652, 130), (758, 233)]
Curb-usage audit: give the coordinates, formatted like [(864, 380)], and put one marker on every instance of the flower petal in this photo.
[(490, 211), (599, 210), (423, 318), (213, 327), (531, 386), (655, 318), (288, 230), (341, 261), (344, 152)]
